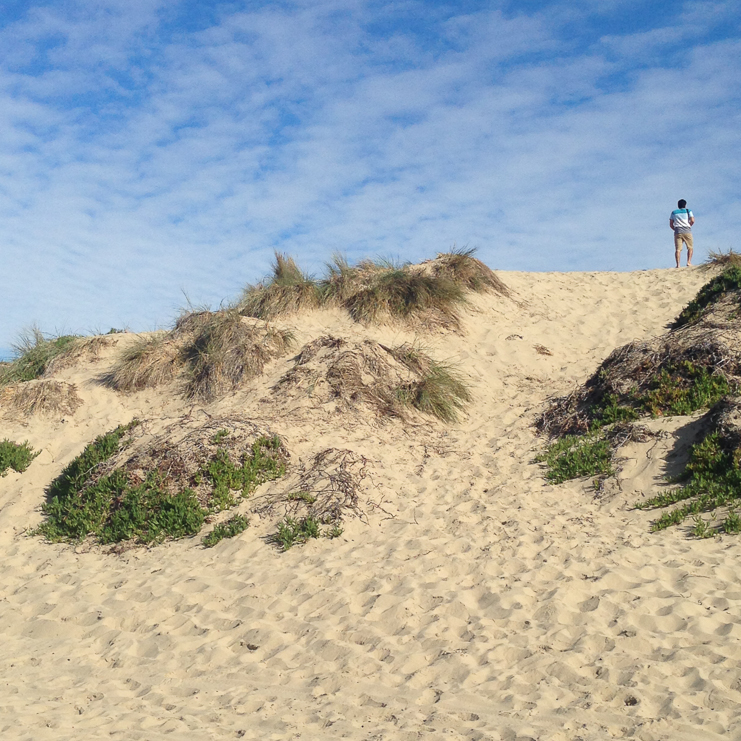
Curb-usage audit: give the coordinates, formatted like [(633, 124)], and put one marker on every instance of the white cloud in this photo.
[(139, 161)]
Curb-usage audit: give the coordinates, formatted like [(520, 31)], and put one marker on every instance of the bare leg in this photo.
[(689, 256), (677, 255)]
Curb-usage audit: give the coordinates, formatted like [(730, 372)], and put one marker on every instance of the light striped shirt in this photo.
[(680, 219)]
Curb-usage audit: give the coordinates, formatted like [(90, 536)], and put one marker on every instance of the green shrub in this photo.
[(17, 456), (233, 526), (728, 280), (34, 354), (113, 509), (575, 456)]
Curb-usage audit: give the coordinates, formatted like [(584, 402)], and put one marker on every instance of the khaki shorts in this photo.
[(679, 238)]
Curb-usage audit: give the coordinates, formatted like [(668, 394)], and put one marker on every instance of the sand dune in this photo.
[(471, 601)]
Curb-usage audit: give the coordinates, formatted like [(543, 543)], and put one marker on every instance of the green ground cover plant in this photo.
[(34, 353), (713, 480), (114, 507), (233, 526), (575, 456), (15, 456)]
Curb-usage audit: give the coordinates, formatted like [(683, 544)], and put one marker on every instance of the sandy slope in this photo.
[(476, 602)]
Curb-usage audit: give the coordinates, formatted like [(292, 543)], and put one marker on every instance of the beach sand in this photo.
[(472, 601)]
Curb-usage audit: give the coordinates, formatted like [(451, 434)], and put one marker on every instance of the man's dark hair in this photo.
[(681, 203)]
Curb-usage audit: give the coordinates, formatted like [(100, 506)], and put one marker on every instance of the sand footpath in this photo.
[(471, 601)]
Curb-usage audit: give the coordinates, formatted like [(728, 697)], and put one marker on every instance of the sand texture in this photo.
[(466, 598)]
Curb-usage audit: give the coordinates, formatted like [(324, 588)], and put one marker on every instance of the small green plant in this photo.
[(728, 280), (302, 496), (732, 522), (291, 532), (17, 456), (34, 353), (219, 436), (611, 411), (233, 526), (575, 456), (334, 532)]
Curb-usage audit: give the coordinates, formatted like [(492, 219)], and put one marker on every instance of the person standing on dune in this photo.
[(681, 222)]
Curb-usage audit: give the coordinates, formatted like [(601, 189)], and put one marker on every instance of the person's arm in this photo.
[(671, 223), (692, 220)]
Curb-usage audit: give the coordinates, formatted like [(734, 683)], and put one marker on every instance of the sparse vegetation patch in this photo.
[(575, 456), (712, 478), (42, 397), (15, 456), (729, 281), (233, 526)]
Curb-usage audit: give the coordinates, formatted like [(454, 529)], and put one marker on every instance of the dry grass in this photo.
[(467, 272), (411, 296), (229, 350), (150, 362), (216, 352), (348, 375), (287, 291), (45, 398), (427, 296), (327, 489), (723, 260)]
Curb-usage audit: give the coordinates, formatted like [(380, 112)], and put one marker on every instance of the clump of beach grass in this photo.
[(468, 272), (15, 456), (439, 390), (229, 351), (215, 352), (34, 353), (287, 291), (723, 260), (149, 362), (429, 295)]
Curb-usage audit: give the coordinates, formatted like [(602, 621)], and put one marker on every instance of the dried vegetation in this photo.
[(53, 399), (391, 381), (213, 352)]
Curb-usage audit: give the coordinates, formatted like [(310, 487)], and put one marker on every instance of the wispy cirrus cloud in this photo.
[(150, 148)]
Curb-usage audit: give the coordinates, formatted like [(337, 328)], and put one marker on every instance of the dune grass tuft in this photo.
[(228, 351), (215, 351), (16, 456), (723, 260), (439, 391), (151, 361), (462, 268), (34, 354), (287, 291), (408, 295)]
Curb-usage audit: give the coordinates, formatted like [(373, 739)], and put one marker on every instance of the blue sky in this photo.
[(153, 149)]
